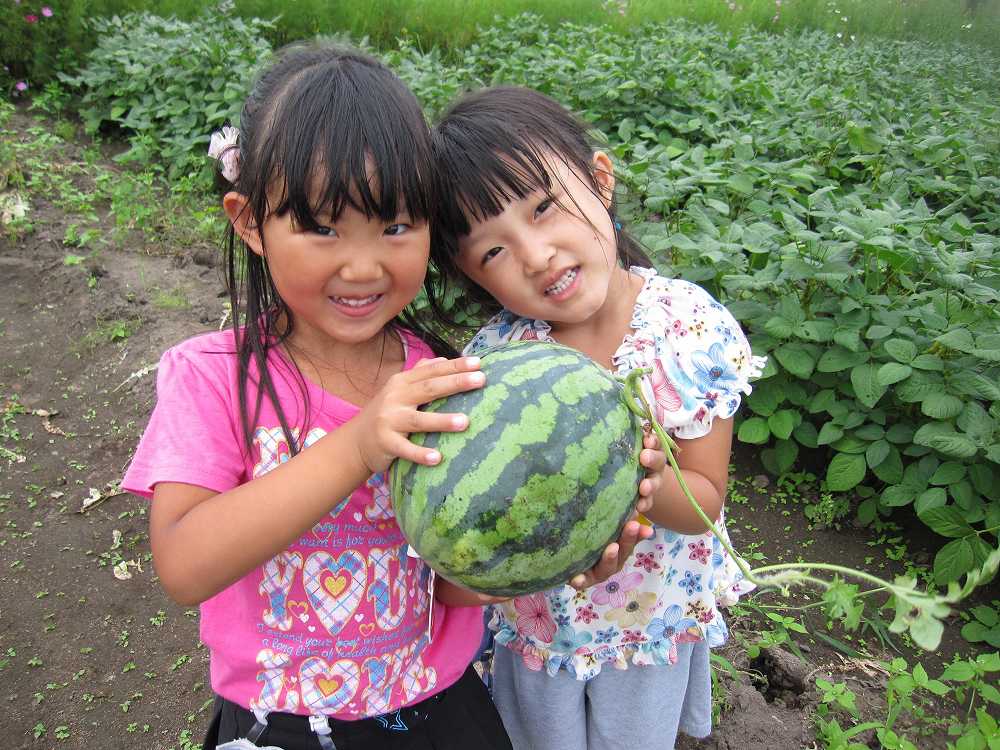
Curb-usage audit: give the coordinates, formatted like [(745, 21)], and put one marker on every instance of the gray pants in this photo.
[(640, 708)]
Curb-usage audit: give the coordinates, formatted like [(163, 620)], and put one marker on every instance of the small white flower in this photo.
[(223, 146), (839, 35)]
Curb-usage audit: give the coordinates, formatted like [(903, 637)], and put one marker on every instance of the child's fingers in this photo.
[(651, 441), (422, 421), (428, 361), (653, 460), (430, 389), (439, 366)]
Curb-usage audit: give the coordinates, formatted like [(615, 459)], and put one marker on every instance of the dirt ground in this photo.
[(92, 653)]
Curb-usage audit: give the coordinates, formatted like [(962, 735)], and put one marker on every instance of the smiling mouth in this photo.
[(356, 301), (563, 282)]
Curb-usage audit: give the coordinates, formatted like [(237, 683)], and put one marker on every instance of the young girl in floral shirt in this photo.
[(528, 227)]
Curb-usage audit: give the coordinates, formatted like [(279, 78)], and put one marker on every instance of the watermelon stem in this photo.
[(920, 612)]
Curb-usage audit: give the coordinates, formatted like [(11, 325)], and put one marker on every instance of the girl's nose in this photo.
[(361, 268), (536, 257)]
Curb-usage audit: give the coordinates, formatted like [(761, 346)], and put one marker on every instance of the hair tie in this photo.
[(223, 147), (618, 225)]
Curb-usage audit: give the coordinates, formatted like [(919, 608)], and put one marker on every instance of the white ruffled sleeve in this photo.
[(701, 360)]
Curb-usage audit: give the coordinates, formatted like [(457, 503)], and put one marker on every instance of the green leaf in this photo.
[(837, 358), (876, 453), (975, 422), (878, 332), (829, 433), (890, 470), (941, 405), (893, 372), (901, 350), (765, 397), (928, 362), (948, 473), (953, 561), (898, 495), (806, 435), (973, 384), (868, 390), (899, 433), (958, 339), (754, 431), (947, 521), (955, 446), (795, 359), (930, 499), (782, 423), (960, 671), (845, 471), (982, 478)]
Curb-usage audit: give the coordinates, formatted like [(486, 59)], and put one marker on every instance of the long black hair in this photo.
[(321, 125), (495, 146)]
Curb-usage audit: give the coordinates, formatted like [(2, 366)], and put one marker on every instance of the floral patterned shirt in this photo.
[(670, 590)]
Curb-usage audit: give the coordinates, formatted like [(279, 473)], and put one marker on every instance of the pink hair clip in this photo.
[(224, 148)]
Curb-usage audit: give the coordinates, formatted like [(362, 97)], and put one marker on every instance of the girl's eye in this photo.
[(323, 231), (543, 207), (490, 254), (394, 230)]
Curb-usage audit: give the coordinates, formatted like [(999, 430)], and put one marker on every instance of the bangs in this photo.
[(481, 172), (346, 136)]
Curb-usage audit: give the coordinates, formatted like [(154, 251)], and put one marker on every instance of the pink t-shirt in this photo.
[(337, 623)]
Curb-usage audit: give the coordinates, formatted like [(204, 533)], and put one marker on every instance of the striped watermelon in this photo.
[(542, 480)]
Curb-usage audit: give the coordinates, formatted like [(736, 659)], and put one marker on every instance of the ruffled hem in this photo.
[(587, 661)]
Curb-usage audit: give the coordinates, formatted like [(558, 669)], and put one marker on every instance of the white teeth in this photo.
[(563, 283), (354, 301)]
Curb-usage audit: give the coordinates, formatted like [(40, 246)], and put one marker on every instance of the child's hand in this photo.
[(384, 424), (614, 556), (654, 459)]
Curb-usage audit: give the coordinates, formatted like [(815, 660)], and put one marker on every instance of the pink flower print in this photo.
[(47, 11), (636, 610), (613, 590), (632, 636), (699, 551), (588, 614), (532, 660), (664, 393), (646, 561), (529, 335), (533, 618), (679, 328)]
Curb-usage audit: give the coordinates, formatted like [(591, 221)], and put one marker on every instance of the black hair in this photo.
[(494, 146), (328, 117)]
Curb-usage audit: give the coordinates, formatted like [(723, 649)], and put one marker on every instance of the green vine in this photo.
[(918, 611)]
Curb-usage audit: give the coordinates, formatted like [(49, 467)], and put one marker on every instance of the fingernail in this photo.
[(472, 361), (434, 457), (477, 378), (460, 421)]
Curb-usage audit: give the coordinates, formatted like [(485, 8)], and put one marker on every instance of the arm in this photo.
[(704, 462), (203, 541), (454, 595)]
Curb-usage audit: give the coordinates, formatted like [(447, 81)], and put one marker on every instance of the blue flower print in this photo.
[(676, 549), (567, 640), (670, 536), (606, 636), (670, 624), (562, 620), (669, 577), (712, 370), (691, 582)]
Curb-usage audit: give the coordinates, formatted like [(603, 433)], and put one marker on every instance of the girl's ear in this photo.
[(241, 217), (604, 175)]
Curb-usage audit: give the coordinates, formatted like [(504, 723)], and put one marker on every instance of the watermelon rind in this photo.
[(543, 479)]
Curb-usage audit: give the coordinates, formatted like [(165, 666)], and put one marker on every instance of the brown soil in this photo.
[(91, 661)]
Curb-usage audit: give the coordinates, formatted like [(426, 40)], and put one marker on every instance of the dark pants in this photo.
[(459, 717)]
